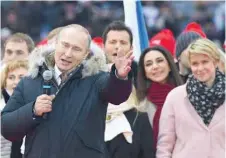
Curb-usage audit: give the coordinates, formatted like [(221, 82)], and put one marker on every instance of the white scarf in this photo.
[(22, 148), (117, 123), (2, 103)]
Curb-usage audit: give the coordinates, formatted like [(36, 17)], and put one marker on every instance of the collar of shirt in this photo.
[(57, 74)]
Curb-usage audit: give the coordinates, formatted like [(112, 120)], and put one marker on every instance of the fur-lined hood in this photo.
[(45, 54)]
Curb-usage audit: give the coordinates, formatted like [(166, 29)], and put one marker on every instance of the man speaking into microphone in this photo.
[(76, 109)]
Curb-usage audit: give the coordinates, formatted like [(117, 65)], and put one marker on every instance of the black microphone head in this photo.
[(47, 75)]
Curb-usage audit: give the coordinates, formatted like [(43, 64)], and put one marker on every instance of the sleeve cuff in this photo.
[(35, 117), (116, 74)]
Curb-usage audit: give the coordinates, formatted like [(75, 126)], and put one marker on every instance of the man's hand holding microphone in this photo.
[(43, 103)]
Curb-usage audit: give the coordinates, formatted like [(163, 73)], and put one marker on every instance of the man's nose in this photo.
[(68, 52), (117, 45)]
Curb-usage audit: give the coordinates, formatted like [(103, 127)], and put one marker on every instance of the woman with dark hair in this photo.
[(157, 76)]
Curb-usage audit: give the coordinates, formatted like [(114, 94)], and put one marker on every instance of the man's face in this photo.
[(116, 41), (71, 49), (15, 50), (184, 58), (184, 66)]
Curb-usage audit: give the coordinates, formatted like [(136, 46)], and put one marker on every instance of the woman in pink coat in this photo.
[(192, 122)]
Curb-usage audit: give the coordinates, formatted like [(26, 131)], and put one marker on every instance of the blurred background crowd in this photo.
[(38, 18)]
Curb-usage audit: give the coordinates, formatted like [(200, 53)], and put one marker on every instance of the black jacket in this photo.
[(142, 146)]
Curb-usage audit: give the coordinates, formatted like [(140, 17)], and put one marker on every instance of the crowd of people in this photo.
[(101, 103), (37, 18)]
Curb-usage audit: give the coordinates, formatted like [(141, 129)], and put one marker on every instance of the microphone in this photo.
[(47, 76)]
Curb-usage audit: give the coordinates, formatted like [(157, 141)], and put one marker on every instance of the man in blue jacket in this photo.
[(76, 111)]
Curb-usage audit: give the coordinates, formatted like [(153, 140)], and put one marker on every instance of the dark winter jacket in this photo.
[(75, 126)]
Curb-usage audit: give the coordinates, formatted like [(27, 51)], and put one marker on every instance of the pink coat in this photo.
[(183, 134)]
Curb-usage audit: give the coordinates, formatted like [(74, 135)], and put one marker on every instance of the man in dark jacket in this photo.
[(76, 114), (132, 136)]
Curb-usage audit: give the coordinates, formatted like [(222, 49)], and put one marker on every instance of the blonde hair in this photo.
[(204, 46), (11, 66), (222, 55), (222, 65)]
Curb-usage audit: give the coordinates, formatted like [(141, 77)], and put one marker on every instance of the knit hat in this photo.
[(98, 41), (192, 32), (164, 39), (43, 42)]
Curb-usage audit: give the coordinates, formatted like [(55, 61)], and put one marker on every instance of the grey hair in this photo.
[(76, 26)]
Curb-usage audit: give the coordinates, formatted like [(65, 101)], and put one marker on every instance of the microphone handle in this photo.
[(45, 116), (46, 90)]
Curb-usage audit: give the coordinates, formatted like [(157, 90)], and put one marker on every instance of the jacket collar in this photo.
[(42, 58)]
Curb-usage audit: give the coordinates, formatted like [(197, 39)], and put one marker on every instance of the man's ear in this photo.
[(56, 41), (88, 54)]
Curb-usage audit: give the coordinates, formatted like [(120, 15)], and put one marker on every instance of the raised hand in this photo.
[(123, 63)]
